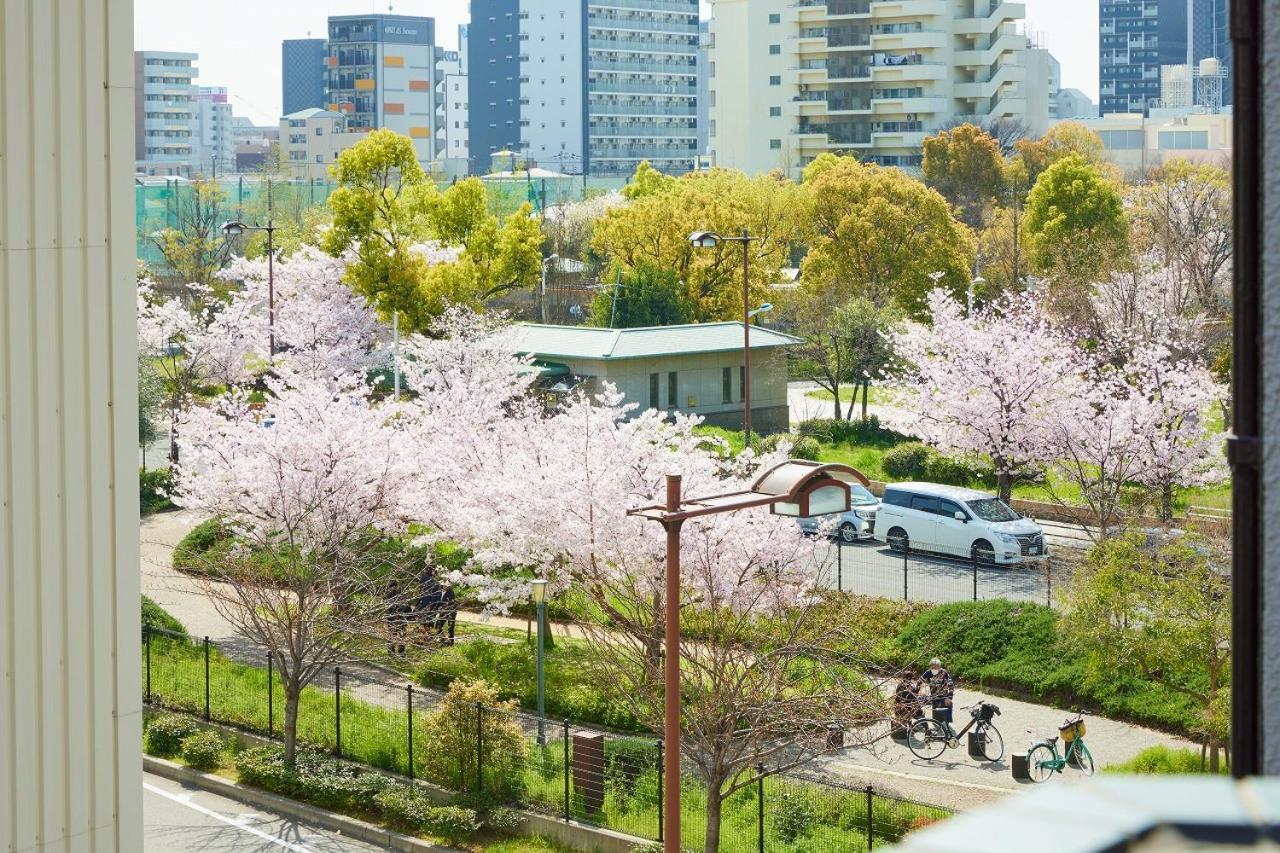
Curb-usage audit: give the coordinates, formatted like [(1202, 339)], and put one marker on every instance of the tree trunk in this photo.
[(836, 392), (292, 693), (1004, 482), (853, 401), (713, 819), (866, 392), (1166, 501)]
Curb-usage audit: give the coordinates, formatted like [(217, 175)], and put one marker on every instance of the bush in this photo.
[(503, 819), (1162, 760), (155, 616), (957, 471), (802, 447), (793, 814), (194, 551), (316, 778), (908, 461), (154, 487), (404, 808), (166, 732), (450, 735), (263, 767), (452, 823), (625, 759), (203, 750), (859, 431)]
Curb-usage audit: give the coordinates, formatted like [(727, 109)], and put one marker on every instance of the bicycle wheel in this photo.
[(1083, 759), (992, 742), (1040, 762), (927, 739)]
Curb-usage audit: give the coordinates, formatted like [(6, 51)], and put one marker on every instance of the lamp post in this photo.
[(974, 284), (797, 488), (234, 228), (543, 287), (540, 602), (710, 240)]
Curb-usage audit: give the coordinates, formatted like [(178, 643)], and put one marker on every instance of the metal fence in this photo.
[(559, 768), (873, 569)]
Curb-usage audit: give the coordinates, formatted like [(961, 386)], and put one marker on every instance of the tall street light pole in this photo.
[(234, 228), (540, 601), (796, 488), (709, 240)]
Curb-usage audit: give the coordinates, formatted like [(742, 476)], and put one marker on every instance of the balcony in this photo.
[(683, 48)]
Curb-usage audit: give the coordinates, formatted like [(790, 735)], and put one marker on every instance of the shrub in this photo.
[(193, 551), (263, 767), (166, 732), (957, 471), (155, 616), (806, 447), (452, 823), (203, 750), (908, 461), (503, 819), (404, 808), (450, 738), (1162, 760), (154, 487), (625, 759), (793, 814), (317, 778), (858, 431)]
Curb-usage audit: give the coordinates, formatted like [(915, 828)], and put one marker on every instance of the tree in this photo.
[(1064, 139), (984, 384), (964, 164), (647, 181), (568, 227), (1183, 214), (655, 227), (1146, 302), (843, 343), (304, 496), (1076, 229), (195, 248), (877, 233), (645, 296), (1160, 612)]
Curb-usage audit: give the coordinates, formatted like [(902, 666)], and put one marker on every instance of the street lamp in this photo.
[(797, 488), (234, 228), (543, 299), (710, 240), (977, 282), (540, 602)]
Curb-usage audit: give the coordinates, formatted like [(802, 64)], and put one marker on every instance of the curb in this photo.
[(332, 821)]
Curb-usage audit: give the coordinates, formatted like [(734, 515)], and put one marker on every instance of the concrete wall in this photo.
[(70, 699), (1269, 245)]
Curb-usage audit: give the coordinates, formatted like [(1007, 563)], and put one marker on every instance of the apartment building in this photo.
[(215, 140), (1043, 83), (792, 79), (1136, 143), (312, 139), (454, 107), (1072, 103), (1135, 38), (165, 126), (303, 72), (383, 71)]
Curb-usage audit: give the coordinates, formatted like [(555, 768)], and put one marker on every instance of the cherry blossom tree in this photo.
[(984, 383), (1147, 302)]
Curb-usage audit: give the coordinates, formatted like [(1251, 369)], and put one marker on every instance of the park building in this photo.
[(693, 369), (872, 78)]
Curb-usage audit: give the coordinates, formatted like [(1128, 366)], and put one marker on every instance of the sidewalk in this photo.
[(954, 780)]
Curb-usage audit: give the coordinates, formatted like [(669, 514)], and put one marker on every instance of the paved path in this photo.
[(177, 819), (954, 780)]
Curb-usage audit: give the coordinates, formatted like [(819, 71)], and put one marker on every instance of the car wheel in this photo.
[(848, 533), (898, 540), (982, 553)]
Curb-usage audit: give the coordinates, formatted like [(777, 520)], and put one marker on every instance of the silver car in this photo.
[(855, 525)]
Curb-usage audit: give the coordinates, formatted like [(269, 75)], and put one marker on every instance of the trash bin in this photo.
[(1020, 767), (977, 746)]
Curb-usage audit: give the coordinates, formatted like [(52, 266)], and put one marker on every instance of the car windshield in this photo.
[(858, 496), (993, 509)]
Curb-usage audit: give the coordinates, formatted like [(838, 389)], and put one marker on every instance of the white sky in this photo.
[(239, 40)]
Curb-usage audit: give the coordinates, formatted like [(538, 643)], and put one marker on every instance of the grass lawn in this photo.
[(879, 395)]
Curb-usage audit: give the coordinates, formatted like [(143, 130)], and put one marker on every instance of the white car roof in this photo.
[(938, 490)]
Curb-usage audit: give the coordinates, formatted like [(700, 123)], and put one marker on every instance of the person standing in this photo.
[(942, 690)]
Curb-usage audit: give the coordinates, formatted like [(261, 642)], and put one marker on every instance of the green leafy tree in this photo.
[(1063, 140), (194, 248), (471, 722), (1076, 228), (654, 229), (843, 343), (647, 181), (878, 233), (646, 295), (1162, 613), (964, 164)]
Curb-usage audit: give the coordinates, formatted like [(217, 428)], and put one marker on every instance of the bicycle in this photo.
[(927, 738), (1043, 759)]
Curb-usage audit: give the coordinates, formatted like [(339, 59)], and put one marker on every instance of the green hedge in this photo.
[(861, 431), (155, 616), (1015, 646), (1163, 760), (916, 461), (154, 487)]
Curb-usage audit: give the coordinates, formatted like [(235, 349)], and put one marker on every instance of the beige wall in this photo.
[(70, 699)]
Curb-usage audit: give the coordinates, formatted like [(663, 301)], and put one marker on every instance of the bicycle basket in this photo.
[(1072, 730), (988, 712)]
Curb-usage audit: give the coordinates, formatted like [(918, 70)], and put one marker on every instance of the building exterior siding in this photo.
[(493, 77), (71, 697), (1135, 38), (303, 69)]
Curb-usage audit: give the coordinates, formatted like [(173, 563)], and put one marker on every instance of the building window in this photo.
[(775, 18), (653, 390), (672, 390), (775, 49), (775, 144), (1184, 140), (726, 385), (775, 80), (774, 112), (319, 131)]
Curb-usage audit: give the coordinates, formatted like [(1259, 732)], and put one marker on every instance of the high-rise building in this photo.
[(585, 87), (704, 84), (1044, 81), (165, 127), (215, 139), (383, 71), (303, 69), (455, 103), (790, 81), (1135, 38), (1210, 38)]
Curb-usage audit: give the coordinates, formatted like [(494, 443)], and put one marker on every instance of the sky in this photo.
[(239, 40)]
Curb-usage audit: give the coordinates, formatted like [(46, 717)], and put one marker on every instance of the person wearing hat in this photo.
[(942, 689)]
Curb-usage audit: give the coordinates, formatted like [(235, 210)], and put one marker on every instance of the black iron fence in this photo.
[(874, 569), (559, 768)]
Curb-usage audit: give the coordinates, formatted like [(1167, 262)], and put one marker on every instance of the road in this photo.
[(187, 820)]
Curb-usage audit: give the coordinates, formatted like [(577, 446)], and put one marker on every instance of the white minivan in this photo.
[(957, 522)]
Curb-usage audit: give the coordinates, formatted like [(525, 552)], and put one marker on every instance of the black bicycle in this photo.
[(928, 738)]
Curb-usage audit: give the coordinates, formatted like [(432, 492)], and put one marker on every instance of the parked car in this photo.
[(957, 522), (852, 526)]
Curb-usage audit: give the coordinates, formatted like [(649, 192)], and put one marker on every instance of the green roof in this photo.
[(646, 342)]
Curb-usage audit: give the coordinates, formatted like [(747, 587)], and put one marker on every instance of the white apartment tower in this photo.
[(791, 79), (216, 146), (165, 125)]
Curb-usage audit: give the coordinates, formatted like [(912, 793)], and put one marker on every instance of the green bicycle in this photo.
[(1043, 759)]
